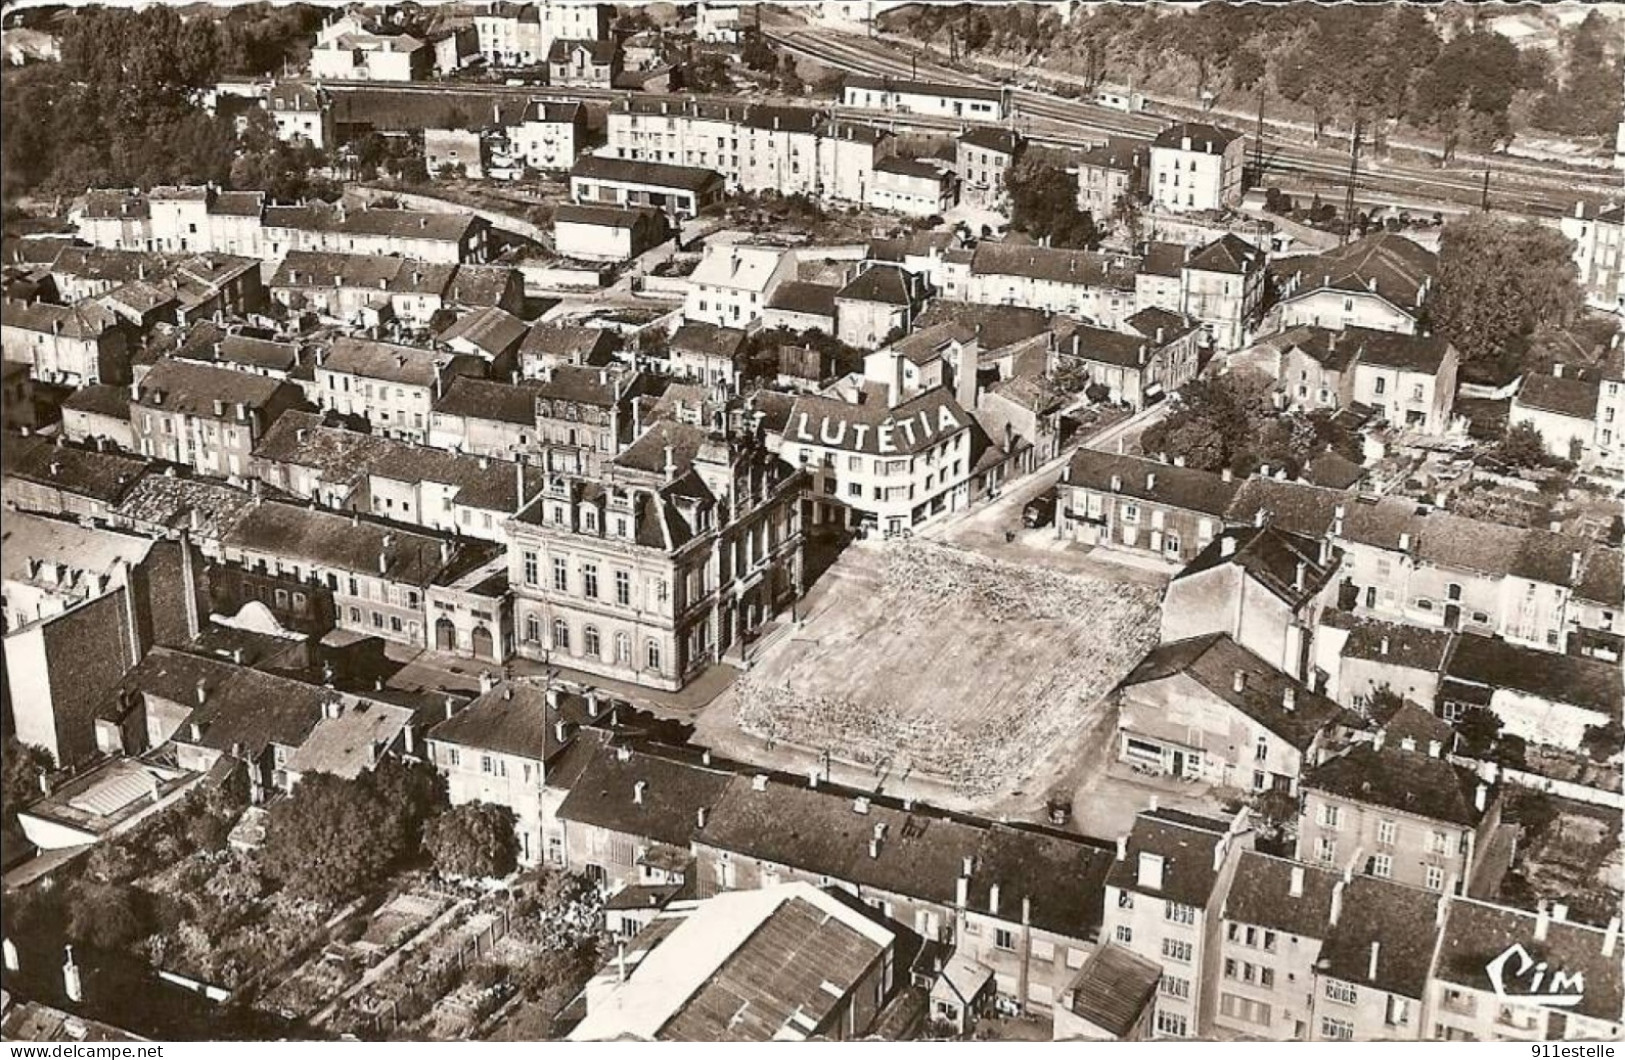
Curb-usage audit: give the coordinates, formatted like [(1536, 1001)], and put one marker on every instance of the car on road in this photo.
[(1040, 511)]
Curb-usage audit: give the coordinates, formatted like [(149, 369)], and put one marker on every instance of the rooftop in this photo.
[(1410, 781), (1384, 937), (1591, 684), (1113, 988), (1475, 934), (655, 174), (1210, 139), (1182, 846), (1142, 479)]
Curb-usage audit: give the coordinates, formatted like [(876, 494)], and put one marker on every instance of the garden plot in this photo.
[(937, 661)]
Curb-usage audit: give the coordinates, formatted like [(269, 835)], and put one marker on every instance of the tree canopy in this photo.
[(474, 840), (1230, 421), (1044, 202), (1498, 280)]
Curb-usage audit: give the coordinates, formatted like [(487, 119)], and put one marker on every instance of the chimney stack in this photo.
[(993, 899), (1238, 681), (1289, 699), (638, 790), (1295, 882), (1371, 966)]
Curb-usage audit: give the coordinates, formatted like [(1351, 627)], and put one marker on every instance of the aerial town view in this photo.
[(812, 521)]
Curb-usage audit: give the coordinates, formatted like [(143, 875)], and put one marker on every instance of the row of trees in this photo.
[(1442, 71)]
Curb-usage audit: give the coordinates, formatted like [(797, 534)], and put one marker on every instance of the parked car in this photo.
[(1040, 511)]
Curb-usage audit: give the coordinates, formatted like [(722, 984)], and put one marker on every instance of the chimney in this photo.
[(874, 848), (1404, 542), (1382, 646), (1575, 561), (1378, 740), (758, 782), (637, 791), (383, 562), (1225, 475), (1289, 699), (671, 464), (1610, 937), (202, 693), (1122, 848), (1336, 910), (488, 681), (1299, 576), (993, 899), (860, 804), (1150, 480), (1238, 681), (812, 778), (1543, 922), (1294, 887), (700, 815), (1117, 484), (561, 731), (1434, 748), (1480, 796), (1371, 966), (962, 891)]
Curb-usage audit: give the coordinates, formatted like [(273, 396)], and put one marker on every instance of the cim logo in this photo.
[(1561, 988)]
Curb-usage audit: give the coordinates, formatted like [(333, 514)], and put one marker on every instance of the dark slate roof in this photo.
[(1272, 558), (1053, 264), (488, 399), (1113, 988), (688, 178), (1400, 921), (1213, 660), (921, 88), (241, 705), (1409, 725), (886, 284), (600, 52), (1390, 265), (1564, 396), (1476, 933), (909, 167), (1148, 480), (512, 718), (1412, 782), (815, 299), (605, 796), (994, 326), (100, 399), (1229, 253), (1118, 152), (1591, 684), (1413, 647), (1261, 894), (1209, 139), (408, 365), (1392, 349), (1104, 346), (1333, 470), (329, 539), (603, 216), (1186, 845), (193, 388), (490, 330), (566, 342), (580, 385), (708, 340), (993, 138), (259, 353), (1161, 325), (101, 476), (1163, 259)]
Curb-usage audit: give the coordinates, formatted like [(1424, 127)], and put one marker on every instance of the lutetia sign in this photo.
[(890, 436), (1517, 975)]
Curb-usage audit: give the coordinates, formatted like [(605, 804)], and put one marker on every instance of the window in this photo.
[(1399, 1012), (561, 575), (1334, 1030), (1173, 986), (1177, 950), (1125, 900), (1382, 385), (1329, 816), (654, 654), (1325, 850), (1341, 992), (589, 641), (1004, 939), (1171, 1024), (561, 634), (1179, 913), (1439, 843), (1124, 933), (1131, 513), (533, 629), (530, 561), (589, 580), (1386, 831), (1435, 878), (623, 588), (1262, 751), (1382, 865)]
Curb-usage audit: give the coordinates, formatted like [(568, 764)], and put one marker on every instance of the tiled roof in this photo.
[(602, 216), (1564, 396), (1163, 259), (1229, 253), (489, 399), (583, 385), (1332, 470), (1148, 480), (1161, 325), (101, 476), (1591, 684), (909, 167), (1386, 927), (259, 353), (329, 539), (814, 299), (194, 388), (708, 340), (1213, 661), (87, 320), (993, 138), (1261, 894), (1287, 564), (921, 88), (656, 174), (994, 326), (1104, 346), (1118, 152), (606, 795), (1413, 647), (1412, 782), (1113, 988), (99, 399), (396, 364), (599, 52), (915, 425), (1475, 934), (1186, 846), (1052, 264), (1389, 265), (1392, 349), (512, 718), (885, 284), (737, 267), (1210, 139), (492, 331), (243, 709), (577, 345)]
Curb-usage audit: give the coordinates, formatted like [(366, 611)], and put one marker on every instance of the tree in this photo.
[(1044, 202), (1479, 729), (1604, 742), (332, 839), (475, 840), (20, 767), (1499, 280), (414, 792), (108, 916), (1522, 446), (757, 53)]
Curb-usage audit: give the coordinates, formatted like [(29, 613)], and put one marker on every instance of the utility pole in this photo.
[(1354, 177), (1258, 134), (1484, 202)]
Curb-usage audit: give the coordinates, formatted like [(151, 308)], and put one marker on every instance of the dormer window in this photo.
[(589, 520)]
